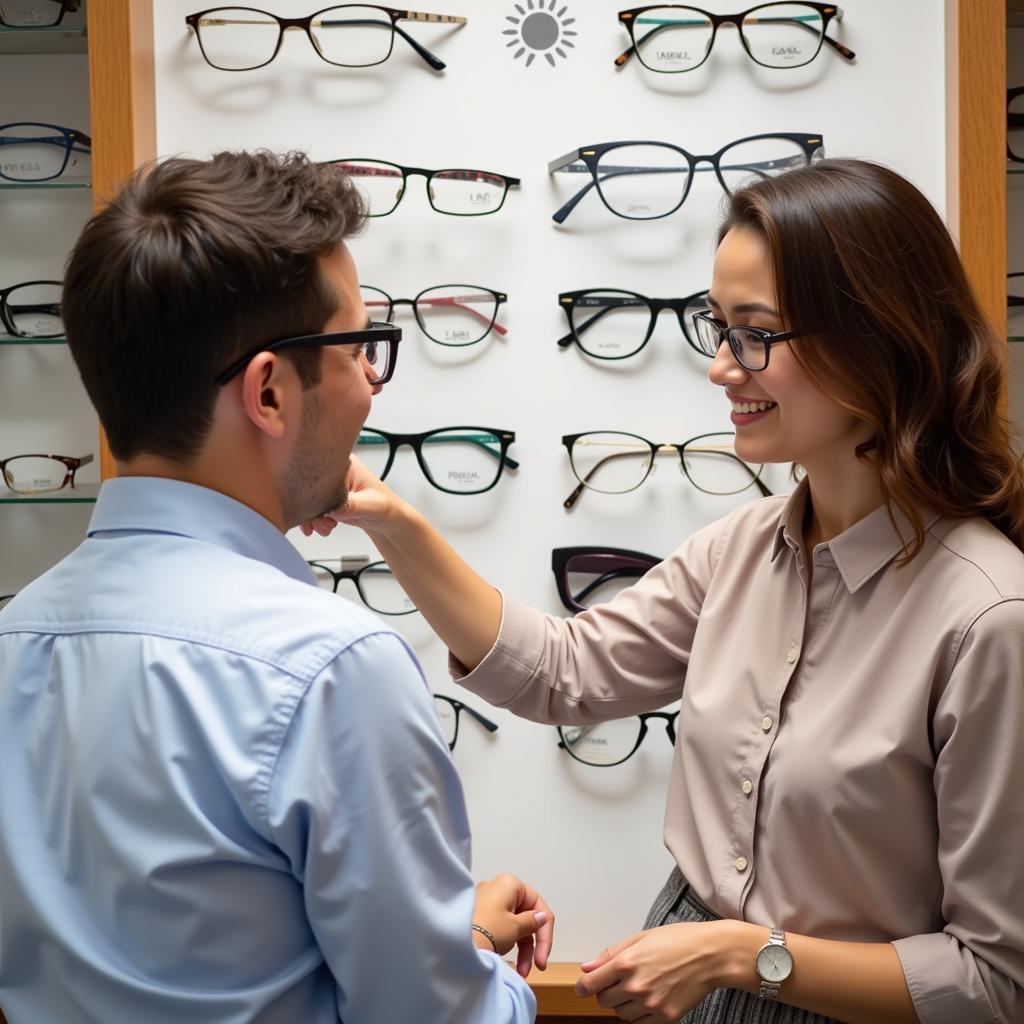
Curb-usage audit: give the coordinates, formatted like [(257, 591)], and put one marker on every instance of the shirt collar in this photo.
[(859, 552), (145, 504)]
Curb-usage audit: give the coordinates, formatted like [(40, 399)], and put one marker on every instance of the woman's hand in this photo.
[(513, 913), (371, 505), (659, 975)]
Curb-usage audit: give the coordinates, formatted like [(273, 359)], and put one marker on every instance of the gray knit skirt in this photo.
[(677, 902)]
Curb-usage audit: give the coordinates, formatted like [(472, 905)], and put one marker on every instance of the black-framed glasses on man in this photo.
[(39, 474), (35, 13), (456, 460), (605, 744), (613, 323), (671, 38), (346, 35), (454, 315), (374, 582), (1015, 124), (646, 180), (36, 151), (616, 462), (448, 711), (32, 309), (379, 354), (588, 575), (457, 191), (751, 346)]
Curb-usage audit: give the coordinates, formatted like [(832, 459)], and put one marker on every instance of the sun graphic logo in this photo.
[(540, 30)]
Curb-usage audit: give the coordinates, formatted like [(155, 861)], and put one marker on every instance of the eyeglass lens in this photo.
[(596, 577), (781, 35), (454, 315), (374, 582), (456, 191), (613, 324), (34, 474), (30, 13), (1015, 134), (33, 310), (748, 347), (34, 152)]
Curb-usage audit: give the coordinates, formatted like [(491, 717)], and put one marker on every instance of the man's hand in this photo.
[(516, 916), (659, 975)]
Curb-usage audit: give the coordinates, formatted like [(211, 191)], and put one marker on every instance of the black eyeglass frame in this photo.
[(454, 174), (571, 300), (585, 160), (66, 7), (7, 310), (668, 717), (767, 338), (305, 24), (828, 12), (72, 464), (623, 563), (458, 707), (337, 575), (416, 442), (376, 333), (499, 298), (1014, 122), (74, 141)]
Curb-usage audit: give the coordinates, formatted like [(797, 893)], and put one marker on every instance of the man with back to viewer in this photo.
[(225, 797)]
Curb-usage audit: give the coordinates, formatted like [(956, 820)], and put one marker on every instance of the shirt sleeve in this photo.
[(972, 972), (611, 661), (366, 804)]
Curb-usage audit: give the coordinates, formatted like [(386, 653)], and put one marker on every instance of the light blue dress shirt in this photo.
[(224, 793)]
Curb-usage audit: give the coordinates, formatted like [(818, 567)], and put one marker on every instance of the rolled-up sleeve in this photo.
[(972, 972), (611, 661)]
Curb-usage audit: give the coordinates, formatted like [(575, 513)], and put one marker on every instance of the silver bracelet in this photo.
[(487, 935)]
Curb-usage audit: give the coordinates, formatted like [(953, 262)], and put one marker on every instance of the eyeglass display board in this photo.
[(1015, 226), (589, 839)]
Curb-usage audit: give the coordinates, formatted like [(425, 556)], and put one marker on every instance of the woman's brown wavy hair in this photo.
[(867, 275)]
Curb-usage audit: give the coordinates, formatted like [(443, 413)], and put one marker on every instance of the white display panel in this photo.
[(588, 838)]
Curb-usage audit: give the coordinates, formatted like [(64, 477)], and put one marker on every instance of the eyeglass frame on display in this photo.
[(71, 463), (585, 160), (828, 12), (669, 718), (375, 333), (304, 24), (4, 598), (568, 302), (458, 707), (1014, 122), (499, 298), (365, 565), (7, 315), (568, 440), (72, 138), (415, 441), (1015, 300), (66, 7), (765, 337), (407, 172), (560, 558)]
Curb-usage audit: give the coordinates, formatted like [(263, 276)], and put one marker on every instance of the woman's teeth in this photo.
[(744, 407)]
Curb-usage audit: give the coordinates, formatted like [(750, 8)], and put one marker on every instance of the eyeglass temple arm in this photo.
[(606, 172), (575, 496), (75, 137), (709, 450), (435, 62), (43, 307), (579, 731), (480, 442), (485, 722), (612, 574), (580, 328), (445, 301)]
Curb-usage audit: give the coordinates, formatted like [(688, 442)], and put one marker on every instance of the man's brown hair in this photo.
[(194, 263)]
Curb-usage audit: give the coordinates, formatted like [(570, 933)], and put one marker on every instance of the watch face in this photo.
[(774, 963)]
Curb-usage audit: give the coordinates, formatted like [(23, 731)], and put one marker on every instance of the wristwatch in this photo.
[(773, 963)]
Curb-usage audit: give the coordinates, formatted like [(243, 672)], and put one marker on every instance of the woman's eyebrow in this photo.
[(746, 307)]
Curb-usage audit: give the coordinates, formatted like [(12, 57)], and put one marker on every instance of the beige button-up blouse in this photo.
[(849, 760)]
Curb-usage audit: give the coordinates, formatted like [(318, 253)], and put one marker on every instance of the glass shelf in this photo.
[(51, 39), (80, 494), (32, 341), (56, 183)]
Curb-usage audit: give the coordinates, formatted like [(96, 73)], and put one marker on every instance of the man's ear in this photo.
[(264, 393)]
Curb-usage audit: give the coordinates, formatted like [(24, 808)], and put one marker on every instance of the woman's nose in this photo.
[(725, 369)]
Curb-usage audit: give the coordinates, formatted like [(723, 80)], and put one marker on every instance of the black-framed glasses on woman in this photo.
[(448, 711), (671, 38), (751, 346), (454, 315), (616, 462), (586, 576), (612, 323), (645, 180), (32, 309), (374, 582), (457, 191), (606, 744), (346, 35), (39, 474), (36, 151), (1015, 124), (35, 13), (379, 353), (456, 460)]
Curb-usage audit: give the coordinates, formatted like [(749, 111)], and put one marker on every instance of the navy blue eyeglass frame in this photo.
[(66, 7), (585, 161), (376, 333), (70, 138)]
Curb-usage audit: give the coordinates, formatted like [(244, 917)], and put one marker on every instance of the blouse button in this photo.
[(766, 724), (741, 863), (791, 655), (747, 787)]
